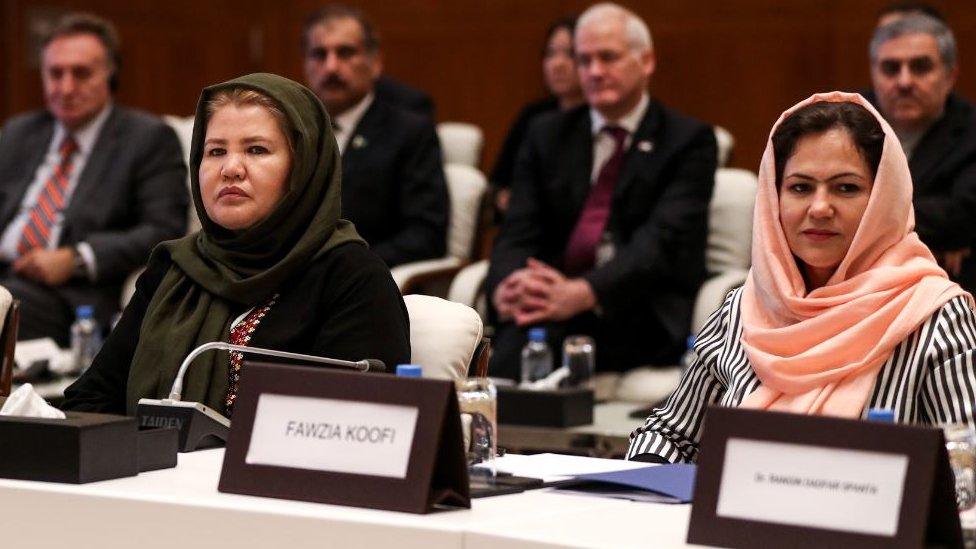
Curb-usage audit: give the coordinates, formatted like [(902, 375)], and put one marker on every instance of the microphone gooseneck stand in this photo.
[(203, 427)]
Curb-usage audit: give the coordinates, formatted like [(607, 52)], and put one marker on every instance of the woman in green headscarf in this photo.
[(273, 266)]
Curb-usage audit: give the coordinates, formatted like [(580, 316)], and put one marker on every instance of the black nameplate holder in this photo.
[(925, 515), (308, 403)]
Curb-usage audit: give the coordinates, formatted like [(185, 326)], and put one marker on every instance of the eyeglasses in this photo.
[(917, 66)]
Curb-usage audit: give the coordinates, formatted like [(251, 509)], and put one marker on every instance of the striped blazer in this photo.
[(928, 380)]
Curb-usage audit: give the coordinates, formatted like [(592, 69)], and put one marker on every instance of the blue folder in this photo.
[(672, 483)]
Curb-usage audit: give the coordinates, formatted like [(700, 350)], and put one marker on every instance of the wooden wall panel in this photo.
[(737, 63)]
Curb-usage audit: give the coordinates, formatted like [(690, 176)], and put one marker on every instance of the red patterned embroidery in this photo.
[(240, 334)]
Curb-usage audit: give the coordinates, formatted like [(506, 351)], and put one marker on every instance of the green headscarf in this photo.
[(217, 272)]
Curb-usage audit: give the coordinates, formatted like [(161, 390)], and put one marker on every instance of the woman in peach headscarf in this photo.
[(844, 309)]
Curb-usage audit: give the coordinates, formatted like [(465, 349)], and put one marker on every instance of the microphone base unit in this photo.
[(200, 427)]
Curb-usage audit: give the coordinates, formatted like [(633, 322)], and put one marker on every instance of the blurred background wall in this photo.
[(737, 63)]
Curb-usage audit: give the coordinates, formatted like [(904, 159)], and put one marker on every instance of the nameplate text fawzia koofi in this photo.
[(326, 434)]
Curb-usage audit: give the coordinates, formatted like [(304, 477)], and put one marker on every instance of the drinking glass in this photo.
[(579, 357), (478, 401), (961, 446)]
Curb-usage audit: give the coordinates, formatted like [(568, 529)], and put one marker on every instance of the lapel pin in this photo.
[(358, 142), (645, 146)]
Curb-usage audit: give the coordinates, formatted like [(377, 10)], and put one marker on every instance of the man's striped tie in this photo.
[(50, 203)]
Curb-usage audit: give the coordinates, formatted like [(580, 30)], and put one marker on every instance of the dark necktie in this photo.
[(581, 248), (50, 203)]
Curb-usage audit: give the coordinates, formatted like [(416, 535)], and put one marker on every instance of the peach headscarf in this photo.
[(819, 352)]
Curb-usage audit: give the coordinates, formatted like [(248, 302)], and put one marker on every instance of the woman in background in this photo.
[(562, 83), (273, 265), (844, 308)]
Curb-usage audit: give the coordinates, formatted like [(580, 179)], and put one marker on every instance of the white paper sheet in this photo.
[(557, 467)]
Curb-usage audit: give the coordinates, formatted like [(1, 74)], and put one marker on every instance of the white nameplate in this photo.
[(325, 434), (798, 484)]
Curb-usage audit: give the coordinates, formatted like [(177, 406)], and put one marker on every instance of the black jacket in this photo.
[(658, 220), (393, 185), (345, 306), (400, 95), (504, 169), (943, 167)]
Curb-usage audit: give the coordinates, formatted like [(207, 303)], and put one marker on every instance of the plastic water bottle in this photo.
[(86, 338), (690, 356), (536, 356)]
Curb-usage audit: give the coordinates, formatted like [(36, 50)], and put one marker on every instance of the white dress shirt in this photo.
[(603, 143), (346, 122), (85, 138)]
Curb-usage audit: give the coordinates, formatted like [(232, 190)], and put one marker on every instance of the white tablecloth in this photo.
[(181, 507)]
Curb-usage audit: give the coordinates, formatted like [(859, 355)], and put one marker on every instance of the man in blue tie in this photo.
[(87, 188), (606, 230)]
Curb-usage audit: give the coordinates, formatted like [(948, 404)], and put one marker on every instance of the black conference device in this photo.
[(203, 427)]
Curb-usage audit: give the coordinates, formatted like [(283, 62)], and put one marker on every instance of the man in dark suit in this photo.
[(406, 97), (393, 185), (913, 71), (87, 188), (606, 231)]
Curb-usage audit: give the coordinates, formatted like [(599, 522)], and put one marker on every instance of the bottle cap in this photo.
[(537, 334), (882, 415), (409, 370), (84, 311)]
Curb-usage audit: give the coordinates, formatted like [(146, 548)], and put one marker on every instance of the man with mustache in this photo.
[(393, 185), (87, 187), (913, 70)]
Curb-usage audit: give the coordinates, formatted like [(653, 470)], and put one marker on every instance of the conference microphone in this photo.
[(203, 427), (176, 393)]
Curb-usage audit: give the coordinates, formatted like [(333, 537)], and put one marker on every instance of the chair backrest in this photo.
[(466, 187), (444, 336), (468, 287), (726, 142), (730, 220), (461, 143), (10, 318), (183, 126)]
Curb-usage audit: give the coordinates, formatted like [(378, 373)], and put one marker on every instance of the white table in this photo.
[(181, 507)]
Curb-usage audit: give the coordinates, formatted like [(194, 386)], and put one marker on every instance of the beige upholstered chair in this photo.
[(467, 187), (726, 142), (461, 143), (9, 321), (445, 337), (728, 256), (183, 126), (468, 287)]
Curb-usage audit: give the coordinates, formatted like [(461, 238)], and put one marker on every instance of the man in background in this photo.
[(897, 10), (393, 185), (913, 70), (606, 229), (405, 97), (87, 187)]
